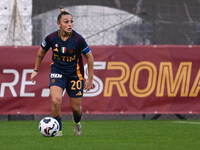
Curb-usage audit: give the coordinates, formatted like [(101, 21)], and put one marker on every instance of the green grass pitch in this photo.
[(104, 135)]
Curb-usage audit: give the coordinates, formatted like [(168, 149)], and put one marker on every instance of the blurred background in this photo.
[(110, 22), (103, 22)]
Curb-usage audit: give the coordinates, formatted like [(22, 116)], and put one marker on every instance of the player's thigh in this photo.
[(56, 94), (75, 88), (75, 103)]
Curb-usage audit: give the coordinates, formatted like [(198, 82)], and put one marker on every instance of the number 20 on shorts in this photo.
[(76, 85)]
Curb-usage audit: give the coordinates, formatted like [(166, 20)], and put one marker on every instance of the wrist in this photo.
[(90, 78)]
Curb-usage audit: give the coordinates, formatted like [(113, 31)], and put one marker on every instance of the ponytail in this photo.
[(63, 11)]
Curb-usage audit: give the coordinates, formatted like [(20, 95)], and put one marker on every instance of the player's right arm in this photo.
[(40, 55)]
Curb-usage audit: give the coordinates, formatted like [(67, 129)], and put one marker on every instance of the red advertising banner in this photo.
[(128, 80)]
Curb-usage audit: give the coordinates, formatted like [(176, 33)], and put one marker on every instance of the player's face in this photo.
[(66, 23)]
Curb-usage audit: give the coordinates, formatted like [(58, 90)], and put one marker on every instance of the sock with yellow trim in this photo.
[(77, 118)]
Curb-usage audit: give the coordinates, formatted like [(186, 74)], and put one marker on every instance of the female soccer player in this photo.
[(67, 68)]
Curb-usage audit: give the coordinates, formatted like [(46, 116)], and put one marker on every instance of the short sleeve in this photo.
[(46, 44), (84, 47)]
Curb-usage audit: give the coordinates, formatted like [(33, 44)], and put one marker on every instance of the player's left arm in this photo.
[(90, 62)]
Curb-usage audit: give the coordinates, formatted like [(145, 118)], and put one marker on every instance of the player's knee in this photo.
[(76, 109), (56, 100)]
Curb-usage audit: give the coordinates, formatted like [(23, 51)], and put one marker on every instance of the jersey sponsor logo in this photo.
[(56, 75), (64, 58), (44, 43), (63, 49), (79, 93)]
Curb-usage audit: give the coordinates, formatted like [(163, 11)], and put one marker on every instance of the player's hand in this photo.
[(33, 76), (88, 85)]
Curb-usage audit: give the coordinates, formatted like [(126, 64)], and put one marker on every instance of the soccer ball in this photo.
[(49, 126)]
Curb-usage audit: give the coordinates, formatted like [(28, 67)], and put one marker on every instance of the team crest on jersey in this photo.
[(53, 80), (56, 45), (63, 49), (71, 51)]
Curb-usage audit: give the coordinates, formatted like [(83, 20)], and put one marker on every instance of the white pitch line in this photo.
[(186, 122)]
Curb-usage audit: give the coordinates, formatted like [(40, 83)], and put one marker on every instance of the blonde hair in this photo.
[(62, 9)]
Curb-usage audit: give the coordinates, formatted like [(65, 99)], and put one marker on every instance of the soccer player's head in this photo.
[(65, 20)]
